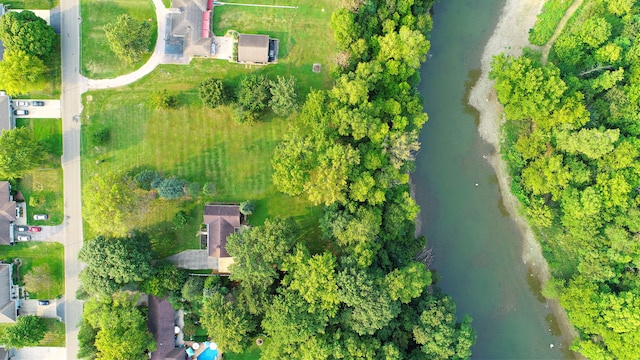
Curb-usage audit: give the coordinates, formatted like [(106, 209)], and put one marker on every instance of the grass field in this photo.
[(252, 353), (32, 4), (42, 188), (548, 19), (35, 253), (97, 60), (55, 336)]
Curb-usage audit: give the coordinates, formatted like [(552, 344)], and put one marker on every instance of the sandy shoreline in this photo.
[(510, 36)]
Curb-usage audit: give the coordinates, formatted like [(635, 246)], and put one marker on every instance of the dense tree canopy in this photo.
[(26, 32), (108, 200), (19, 153), (27, 331), (21, 73)]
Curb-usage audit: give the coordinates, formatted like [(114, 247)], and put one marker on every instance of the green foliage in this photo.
[(253, 93), (171, 188), (547, 21), (19, 153), (24, 31), (39, 279), (226, 322), (162, 99), (408, 283), (247, 207), (120, 328), (164, 278), (101, 136), (213, 93), (108, 197), (193, 288), (21, 73), (284, 99), (86, 341), (145, 178), (128, 38), (115, 262), (180, 219), (27, 331)]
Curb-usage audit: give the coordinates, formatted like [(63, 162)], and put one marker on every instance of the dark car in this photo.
[(43, 302), (21, 112), (22, 228), (37, 103)]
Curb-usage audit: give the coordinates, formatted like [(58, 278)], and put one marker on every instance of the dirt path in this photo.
[(510, 36), (547, 47)]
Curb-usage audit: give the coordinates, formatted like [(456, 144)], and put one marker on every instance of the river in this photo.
[(477, 246)]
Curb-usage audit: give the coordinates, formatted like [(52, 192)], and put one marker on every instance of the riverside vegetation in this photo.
[(571, 145), (344, 289)]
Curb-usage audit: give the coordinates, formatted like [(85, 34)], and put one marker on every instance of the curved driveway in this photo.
[(73, 85)]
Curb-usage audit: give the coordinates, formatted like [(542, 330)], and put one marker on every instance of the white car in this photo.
[(24, 237), (40, 217), (23, 103)]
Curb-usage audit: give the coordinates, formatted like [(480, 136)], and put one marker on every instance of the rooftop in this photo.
[(7, 213), (161, 325), (221, 220), (189, 28), (253, 48), (7, 305)]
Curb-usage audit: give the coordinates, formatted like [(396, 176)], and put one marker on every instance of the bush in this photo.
[(213, 93), (208, 188), (145, 178), (194, 189), (171, 188), (253, 94), (180, 219), (243, 116), (247, 207), (101, 136), (161, 99), (284, 99)]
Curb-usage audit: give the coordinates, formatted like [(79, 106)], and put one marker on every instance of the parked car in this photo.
[(20, 112), (35, 229), (37, 103), (22, 103), (40, 217), (22, 228), (24, 237), (43, 302)]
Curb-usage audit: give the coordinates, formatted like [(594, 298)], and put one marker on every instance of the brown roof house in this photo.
[(221, 220), (8, 311), (7, 214), (162, 325), (189, 30), (257, 49)]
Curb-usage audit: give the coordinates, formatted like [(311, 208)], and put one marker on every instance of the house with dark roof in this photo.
[(189, 32), (257, 49), (7, 214), (161, 323), (3, 10), (6, 112), (8, 311), (221, 220)]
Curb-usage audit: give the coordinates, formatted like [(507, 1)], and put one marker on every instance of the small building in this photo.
[(221, 220), (257, 49), (161, 323), (8, 311), (189, 28), (7, 214)]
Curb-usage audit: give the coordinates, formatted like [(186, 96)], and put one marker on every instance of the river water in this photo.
[(476, 244)]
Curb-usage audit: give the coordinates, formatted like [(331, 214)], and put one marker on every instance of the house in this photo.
[(7, 214), (161, 324), (189, 31), (8, 311), (257, 49), (221, 220), (6, 112), (3, 10)]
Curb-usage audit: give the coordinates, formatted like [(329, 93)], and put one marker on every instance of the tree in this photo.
[(284, 99), (227, 323), (108, 202), (27, 331), (192, 290), (19, 153), (38, 279), (180, 219), (247, 207), (164, 278), (122, 332), (253, 93), (121, 261), (171, 188), (26, 32), (408, 282), (161, 99), (21, 73), (213, 93), (259, 251), (128, 38), (145, 177)]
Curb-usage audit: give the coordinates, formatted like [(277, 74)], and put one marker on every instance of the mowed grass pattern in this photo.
[(97, 60), (35, 253)]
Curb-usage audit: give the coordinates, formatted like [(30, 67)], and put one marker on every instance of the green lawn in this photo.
[(97, 60), (55, 336), (42, 188), (32, 4), (548, 19), (35, 253), (252, 353)]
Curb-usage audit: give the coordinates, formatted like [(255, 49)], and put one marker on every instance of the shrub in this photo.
[(213, 93), (171, 188), (145, 178), (194, 189), (101, 136), (247, 207), (161, 99), (284, 99), (180, 219)]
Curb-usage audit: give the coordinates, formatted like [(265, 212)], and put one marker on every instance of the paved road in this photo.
[(73, 85)]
